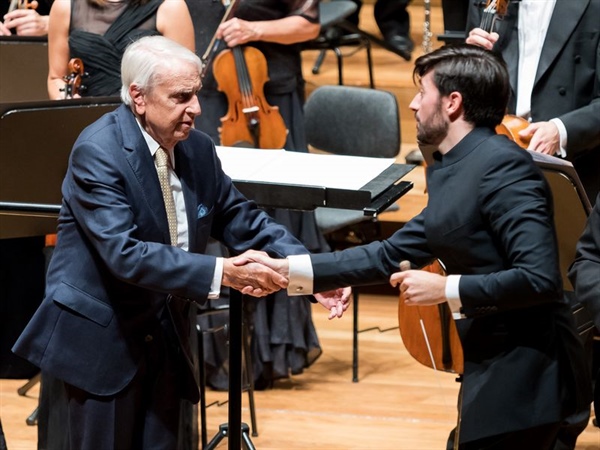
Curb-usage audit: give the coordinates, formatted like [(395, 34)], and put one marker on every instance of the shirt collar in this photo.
[(153, 145)]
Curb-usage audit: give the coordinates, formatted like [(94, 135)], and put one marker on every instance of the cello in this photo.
[(429, 332), (241, 73)]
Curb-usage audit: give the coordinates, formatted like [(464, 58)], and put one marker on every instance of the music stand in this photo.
[(374, 197), (36, 139)]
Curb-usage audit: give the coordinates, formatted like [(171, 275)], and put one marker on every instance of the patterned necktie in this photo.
[(161, 159)]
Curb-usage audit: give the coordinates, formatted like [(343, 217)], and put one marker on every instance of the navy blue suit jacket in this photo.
[(113, 272)]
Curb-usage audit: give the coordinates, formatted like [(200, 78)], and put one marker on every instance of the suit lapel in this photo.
[(565, 17), (141, 163)]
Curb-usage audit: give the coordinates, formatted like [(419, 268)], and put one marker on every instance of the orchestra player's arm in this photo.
[(173, 21), (58, 48), (25, 22), (288, 30)]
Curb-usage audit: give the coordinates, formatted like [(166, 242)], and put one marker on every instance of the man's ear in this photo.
[(454, 105), (138, 98)]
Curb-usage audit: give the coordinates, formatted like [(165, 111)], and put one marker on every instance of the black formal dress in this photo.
[(99, 36)]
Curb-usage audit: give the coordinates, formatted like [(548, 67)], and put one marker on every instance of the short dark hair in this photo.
[(479, 75)]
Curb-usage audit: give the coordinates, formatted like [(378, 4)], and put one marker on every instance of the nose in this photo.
[(194, 106), (414, 104)]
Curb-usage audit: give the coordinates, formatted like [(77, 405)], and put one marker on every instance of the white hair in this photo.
[(149, 57)]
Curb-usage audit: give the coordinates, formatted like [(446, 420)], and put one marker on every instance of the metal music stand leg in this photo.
[(234, 429)]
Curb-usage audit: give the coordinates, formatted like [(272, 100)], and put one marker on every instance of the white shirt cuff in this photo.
[(562, 132), (453, 296), (215, 286), (300, 275)]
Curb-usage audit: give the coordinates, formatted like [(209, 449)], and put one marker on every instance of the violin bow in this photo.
[(213, 46)]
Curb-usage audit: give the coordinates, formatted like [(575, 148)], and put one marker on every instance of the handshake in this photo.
[(257, 274)]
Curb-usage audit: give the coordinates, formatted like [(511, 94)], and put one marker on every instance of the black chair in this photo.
[(334, 38), (352, 121)]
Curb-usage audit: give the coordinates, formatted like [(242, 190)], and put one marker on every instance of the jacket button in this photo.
[(149, 338), (577, 59), (562, 91)]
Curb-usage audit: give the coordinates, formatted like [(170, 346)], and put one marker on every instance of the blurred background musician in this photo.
[(284, 337), (554, 71), (31, 20), (97, 32), (393, 21)]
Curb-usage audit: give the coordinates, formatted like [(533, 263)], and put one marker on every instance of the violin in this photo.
[(510, 127), (429, 332), (511, 124), (241, 73), (73, 81), (250, 121)]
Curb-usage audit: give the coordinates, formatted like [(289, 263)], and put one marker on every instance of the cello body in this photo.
[(429, 333)]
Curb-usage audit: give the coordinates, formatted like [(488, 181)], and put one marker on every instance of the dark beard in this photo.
[(433, 132)]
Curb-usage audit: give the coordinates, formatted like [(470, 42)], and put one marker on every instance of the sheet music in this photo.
[(286, 167)]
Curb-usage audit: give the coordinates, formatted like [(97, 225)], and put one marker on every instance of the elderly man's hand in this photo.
[(252, 278), (280, 266)]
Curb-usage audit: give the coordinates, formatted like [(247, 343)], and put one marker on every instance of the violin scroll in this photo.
[(22, 4), (73, 81)]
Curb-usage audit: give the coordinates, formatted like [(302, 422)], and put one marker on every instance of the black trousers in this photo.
[(145, 415), (542, 437), (391, 17)]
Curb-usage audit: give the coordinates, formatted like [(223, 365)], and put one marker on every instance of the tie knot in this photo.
[(161, 157)]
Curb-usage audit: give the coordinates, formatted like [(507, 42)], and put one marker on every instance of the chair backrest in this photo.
[(333, 12), (355, 121)]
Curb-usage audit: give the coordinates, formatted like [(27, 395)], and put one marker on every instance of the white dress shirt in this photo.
[(534, 19)]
